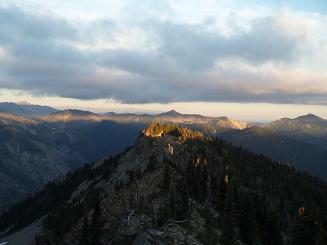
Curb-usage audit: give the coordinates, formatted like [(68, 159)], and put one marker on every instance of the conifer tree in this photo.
[(228, 232), (166, 178), (85, 232), (172, 205), (203, 181), (307, 228), (272, 234), (96, 223), (152, 163), (182, 205), (222, 192), (247, 225)]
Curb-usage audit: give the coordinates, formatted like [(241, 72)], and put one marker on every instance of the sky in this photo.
[(250, 60)]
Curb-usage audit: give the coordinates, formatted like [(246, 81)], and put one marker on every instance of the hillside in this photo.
[(309, 124), (30, 155), (300, 153), (177, 186), (308, 128), (33, 152)]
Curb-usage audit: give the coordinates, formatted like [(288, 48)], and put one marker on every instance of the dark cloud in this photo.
[(196, 47), (18, 26), (45, 55)]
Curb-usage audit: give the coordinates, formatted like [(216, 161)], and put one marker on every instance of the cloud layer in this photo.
[(163, 58)]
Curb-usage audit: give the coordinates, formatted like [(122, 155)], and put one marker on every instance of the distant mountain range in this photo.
[(217, 123), (39, 148)]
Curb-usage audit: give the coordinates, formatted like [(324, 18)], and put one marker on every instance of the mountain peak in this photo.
[(171, 113), (309, 116), (111, 113), (23, 103), (158, 130)]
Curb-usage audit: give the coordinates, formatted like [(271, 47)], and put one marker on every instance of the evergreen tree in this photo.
[(96, 223), (182, 205), (203, 182), (228, 232), (307, 228), (85, 232), (222, 191), (172, 205), (229, 212), (166, 178), (152, 163), (272, 234), (247, 225)]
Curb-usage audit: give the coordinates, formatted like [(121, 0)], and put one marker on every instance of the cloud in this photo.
[(158, 59), (18, 26), (195, 47)]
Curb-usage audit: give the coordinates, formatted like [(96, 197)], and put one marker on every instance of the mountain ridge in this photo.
[(26, 109), (149, 191), (169, 116), (309, 124)]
